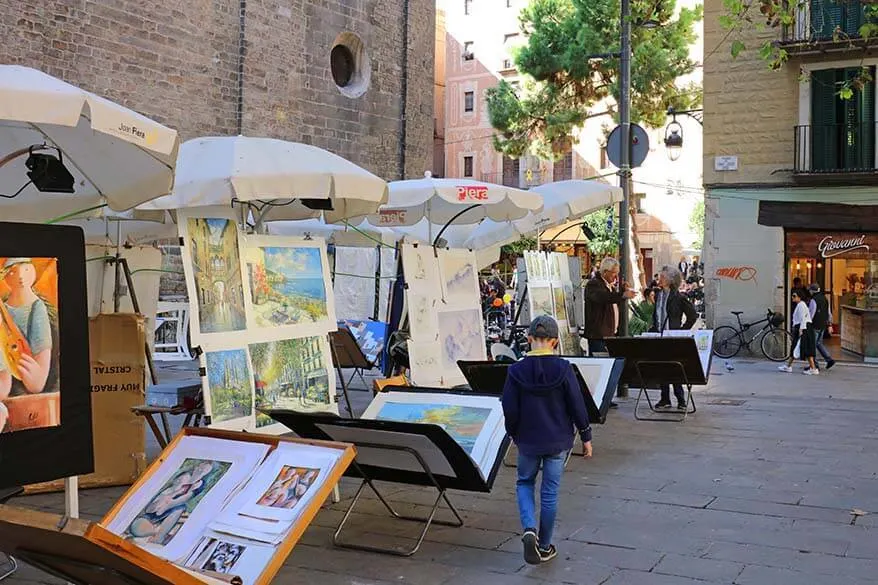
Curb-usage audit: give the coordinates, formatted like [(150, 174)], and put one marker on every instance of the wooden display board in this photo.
[(89, 553)]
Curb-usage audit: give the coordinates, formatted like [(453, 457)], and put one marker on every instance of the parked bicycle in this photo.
[(774, 340)]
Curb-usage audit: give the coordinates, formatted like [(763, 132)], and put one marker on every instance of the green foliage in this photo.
[(606, 242), (696, 222), (516, 248), (561, 86), (767, 15)]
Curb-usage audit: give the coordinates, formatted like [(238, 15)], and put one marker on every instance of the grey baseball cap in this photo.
[(543, 327), (814, 287)]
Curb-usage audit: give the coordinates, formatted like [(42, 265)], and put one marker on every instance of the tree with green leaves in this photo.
[(606, 240), (562, 87), (696, 223)]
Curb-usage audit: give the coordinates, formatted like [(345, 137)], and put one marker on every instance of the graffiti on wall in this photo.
[(738, 273)]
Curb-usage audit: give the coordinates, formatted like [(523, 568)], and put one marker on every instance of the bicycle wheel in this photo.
[(726, 341), (777, 344)]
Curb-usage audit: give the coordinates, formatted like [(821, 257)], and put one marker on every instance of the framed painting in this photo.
[(541, 301), (45, 387), (474, 422), (290, 288), (420, 267), (214, 270)]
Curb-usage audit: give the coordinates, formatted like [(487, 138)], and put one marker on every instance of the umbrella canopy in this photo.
[(280, 180), (563, 201), (132, 227), (362, 235), (117, 157), (440, 200)]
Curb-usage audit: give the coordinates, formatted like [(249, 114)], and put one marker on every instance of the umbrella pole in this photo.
[(117, 283)]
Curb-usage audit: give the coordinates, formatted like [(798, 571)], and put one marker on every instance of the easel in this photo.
[(340, 373), (679, 364), (350, 353)]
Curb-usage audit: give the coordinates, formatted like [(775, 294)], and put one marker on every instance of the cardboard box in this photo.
[(118, 382)]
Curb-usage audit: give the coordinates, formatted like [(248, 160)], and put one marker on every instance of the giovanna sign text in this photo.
[(831, 246)]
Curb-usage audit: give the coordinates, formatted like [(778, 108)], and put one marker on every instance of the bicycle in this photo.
[(776, 342)]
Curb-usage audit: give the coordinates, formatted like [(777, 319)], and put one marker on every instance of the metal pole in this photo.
[(625, 167)]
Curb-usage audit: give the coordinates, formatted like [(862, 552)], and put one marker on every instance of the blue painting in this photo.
[(463, 423), (370, 336), (228, 378), (287, 285)]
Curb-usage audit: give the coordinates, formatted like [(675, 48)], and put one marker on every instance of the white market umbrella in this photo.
[(117, 157), (442, 200), (131, 227), (563, 202), (362, 235), (273, 177)]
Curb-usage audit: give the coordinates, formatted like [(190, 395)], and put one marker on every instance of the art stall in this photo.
[(444, 313), (549, 291), (261, 309)]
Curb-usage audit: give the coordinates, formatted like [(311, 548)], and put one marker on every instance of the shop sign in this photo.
[(391, 217), (830, 246)]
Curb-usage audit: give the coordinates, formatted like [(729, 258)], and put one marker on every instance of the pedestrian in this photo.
[(821, 317), (672, 311), (542, 405), (803, 337)]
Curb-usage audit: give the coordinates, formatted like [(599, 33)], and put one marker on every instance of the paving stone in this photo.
[(626, 577), (699, 568), (757, 575), (781, 510)]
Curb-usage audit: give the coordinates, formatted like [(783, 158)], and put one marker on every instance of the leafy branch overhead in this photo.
[(840, 22), (562, 88)]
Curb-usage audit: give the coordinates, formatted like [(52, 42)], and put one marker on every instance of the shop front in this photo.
[(845, 265)]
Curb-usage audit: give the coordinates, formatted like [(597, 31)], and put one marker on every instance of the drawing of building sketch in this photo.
[(540, 298), (425, 360)]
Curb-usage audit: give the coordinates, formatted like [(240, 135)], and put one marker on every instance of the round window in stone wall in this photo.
[(350, 65)]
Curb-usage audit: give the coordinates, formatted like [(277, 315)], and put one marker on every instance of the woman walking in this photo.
[(803, 337)]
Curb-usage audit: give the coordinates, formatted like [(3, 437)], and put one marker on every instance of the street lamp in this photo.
[(674, 131)]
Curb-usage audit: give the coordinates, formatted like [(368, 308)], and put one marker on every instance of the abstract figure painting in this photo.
[(166, 513), (459, 279), (461, 337), (289, 487), (540, 298), (292, 374), (29, 344), (289, 285), (212, 249), (229, 392)]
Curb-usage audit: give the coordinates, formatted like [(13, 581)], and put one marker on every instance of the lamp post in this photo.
[(625, 158)]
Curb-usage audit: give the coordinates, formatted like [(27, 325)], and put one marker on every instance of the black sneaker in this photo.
[(662, 404), (681, 406), (829, 364), (614, 405), (548, 554), (531, 547)]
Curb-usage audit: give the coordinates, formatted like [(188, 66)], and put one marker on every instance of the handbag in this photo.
[(796, 350)]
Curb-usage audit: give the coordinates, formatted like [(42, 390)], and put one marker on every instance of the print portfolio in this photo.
[(217, 506)]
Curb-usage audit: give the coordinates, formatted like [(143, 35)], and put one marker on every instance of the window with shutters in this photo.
[(831, 19), (842, 131), (467, 166)]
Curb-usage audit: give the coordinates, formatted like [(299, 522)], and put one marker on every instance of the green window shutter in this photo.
[(853, 17), (826, 16), (825, 129), (859, 114)]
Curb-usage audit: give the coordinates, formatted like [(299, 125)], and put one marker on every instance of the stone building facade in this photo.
[(180, 63), (789, 165)]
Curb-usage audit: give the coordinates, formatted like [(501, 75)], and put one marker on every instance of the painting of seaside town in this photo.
[(290, 374), (287, 285), (216, 269)]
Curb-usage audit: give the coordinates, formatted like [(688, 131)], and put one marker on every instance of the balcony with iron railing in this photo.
[(836, 152), (828, 26)]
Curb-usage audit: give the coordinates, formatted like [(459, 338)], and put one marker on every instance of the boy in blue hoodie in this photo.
[(542, 404)]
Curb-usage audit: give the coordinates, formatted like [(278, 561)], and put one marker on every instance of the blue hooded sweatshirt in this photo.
[(542, 403)]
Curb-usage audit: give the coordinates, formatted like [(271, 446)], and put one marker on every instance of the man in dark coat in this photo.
[(602, 305), (820, 321)]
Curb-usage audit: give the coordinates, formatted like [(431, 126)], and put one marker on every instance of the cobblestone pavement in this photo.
[(759, 487)]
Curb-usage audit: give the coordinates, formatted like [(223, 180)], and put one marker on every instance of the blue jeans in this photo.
[(596, 346), (820, 347), (553, 468)]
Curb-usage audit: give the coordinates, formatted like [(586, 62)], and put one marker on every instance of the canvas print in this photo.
[(461, 338), (218, 556), (166, 513), (290, 374), (570, 306), (540, 301), (287, 285), (290, 486), (560, 303), (29, 344), (216, 268), (370, 336), (459, 276), (463, 423), (228, 380)]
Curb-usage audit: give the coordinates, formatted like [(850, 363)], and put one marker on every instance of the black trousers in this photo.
[(678, 393)]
